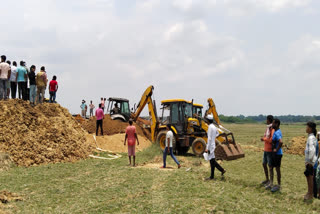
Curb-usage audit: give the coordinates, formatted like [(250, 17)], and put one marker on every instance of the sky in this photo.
[(251, 56)]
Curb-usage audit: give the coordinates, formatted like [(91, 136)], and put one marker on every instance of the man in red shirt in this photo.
[(99, 117), (132, 136), (53, 88)]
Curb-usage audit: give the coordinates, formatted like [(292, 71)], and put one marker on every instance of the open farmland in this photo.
[(109, 186)]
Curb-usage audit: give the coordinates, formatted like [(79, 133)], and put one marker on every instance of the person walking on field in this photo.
[(42, 81), (310, 157), (211, 146), (53, 88), (132, 137), (267, 154), (13, 80), (99, 117), (276, 156), (5, 72), (168, 148), (32, 83), (91, 108)]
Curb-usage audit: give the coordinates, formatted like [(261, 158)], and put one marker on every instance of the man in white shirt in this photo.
[(211, 146), (5, 72), (168, 149)]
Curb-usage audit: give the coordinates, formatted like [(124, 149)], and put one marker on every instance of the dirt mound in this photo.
[(5, 161), (80, 119), (297, 145), (46, 133), (6, 197), (111, 127), (114, 143)]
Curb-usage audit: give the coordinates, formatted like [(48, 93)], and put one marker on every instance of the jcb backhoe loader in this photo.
[(190, 130)]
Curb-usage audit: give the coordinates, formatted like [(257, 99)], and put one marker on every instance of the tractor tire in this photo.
[(198, 146), (161, 140)]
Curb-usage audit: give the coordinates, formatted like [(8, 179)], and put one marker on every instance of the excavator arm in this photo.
[(147, 100), (212, 110)]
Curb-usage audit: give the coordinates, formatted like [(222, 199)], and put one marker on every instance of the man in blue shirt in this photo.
[(22, 81), (276, 155)]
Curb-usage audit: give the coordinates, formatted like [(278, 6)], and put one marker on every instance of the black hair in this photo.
[(32, 66), (54, 77), (14, 63), (130, 122), (270, 118), (100, 105), (313, 126), (3, 58), (277, 121), (42, 68), (8, 62), (21, 63), (169, 127)]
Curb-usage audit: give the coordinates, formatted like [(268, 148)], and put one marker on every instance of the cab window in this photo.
[(125, 108)]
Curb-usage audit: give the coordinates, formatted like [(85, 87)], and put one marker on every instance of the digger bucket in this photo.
[(228, 149)]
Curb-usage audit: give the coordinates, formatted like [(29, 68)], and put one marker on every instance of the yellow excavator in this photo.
[(189, 128)]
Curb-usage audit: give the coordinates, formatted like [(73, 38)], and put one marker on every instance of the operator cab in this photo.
[(197, 109), (119, 109)]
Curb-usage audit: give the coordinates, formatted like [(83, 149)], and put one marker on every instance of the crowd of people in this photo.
[(15, 78)]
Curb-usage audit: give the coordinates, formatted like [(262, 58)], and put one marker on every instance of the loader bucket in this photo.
[(228, 149)]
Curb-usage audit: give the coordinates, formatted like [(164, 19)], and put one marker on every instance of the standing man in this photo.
[(91, 108), (99, 117), (132, 137), (32, 83), (267, 154), (168, 148), (41, 80), (53, 88), (22, 81), (83, 108), (5, 73), (211, 146), (276, 155), (8, 82), (13, 80)]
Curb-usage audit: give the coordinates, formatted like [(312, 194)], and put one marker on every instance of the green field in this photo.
[(109, 186)]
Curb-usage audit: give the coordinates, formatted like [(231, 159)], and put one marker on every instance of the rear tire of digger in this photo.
[(161, 140), (198, 146)]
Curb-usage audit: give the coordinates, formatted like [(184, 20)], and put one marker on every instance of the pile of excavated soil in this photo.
[(297, 145), (6, 197), (43, 134), (112, 127), (114, 143), (80, 119)]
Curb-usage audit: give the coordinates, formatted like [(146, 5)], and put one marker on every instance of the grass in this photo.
[(100, 186)]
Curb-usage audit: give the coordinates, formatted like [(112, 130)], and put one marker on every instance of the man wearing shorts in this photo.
[(276, 155), (267, 139), (132, 136)]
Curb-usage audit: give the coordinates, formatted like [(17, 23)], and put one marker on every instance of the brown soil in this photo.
[(114, 143), (6, 197), (297, 145), (5, 161), (46, 133), (80, 119), (111, 127)]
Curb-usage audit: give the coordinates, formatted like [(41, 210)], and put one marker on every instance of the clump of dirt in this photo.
[(80, 119), (111, 127), (43, 134), (114, 143), (297, 145), (6, 197), (5, 161)]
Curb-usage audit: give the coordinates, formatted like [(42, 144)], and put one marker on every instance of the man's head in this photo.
[(43, 69), (91, 101), (14, 63), (32, 68), (116, 105), (105, 99), (269, 119), (276, 123), (210, 118), (3, 58), (311, 128), (168, 127), (54, 77), (130, 122), (21, 63), (8, 62), (100, 106)]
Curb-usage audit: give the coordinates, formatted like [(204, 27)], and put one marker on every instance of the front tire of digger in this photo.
[(198, 146)]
